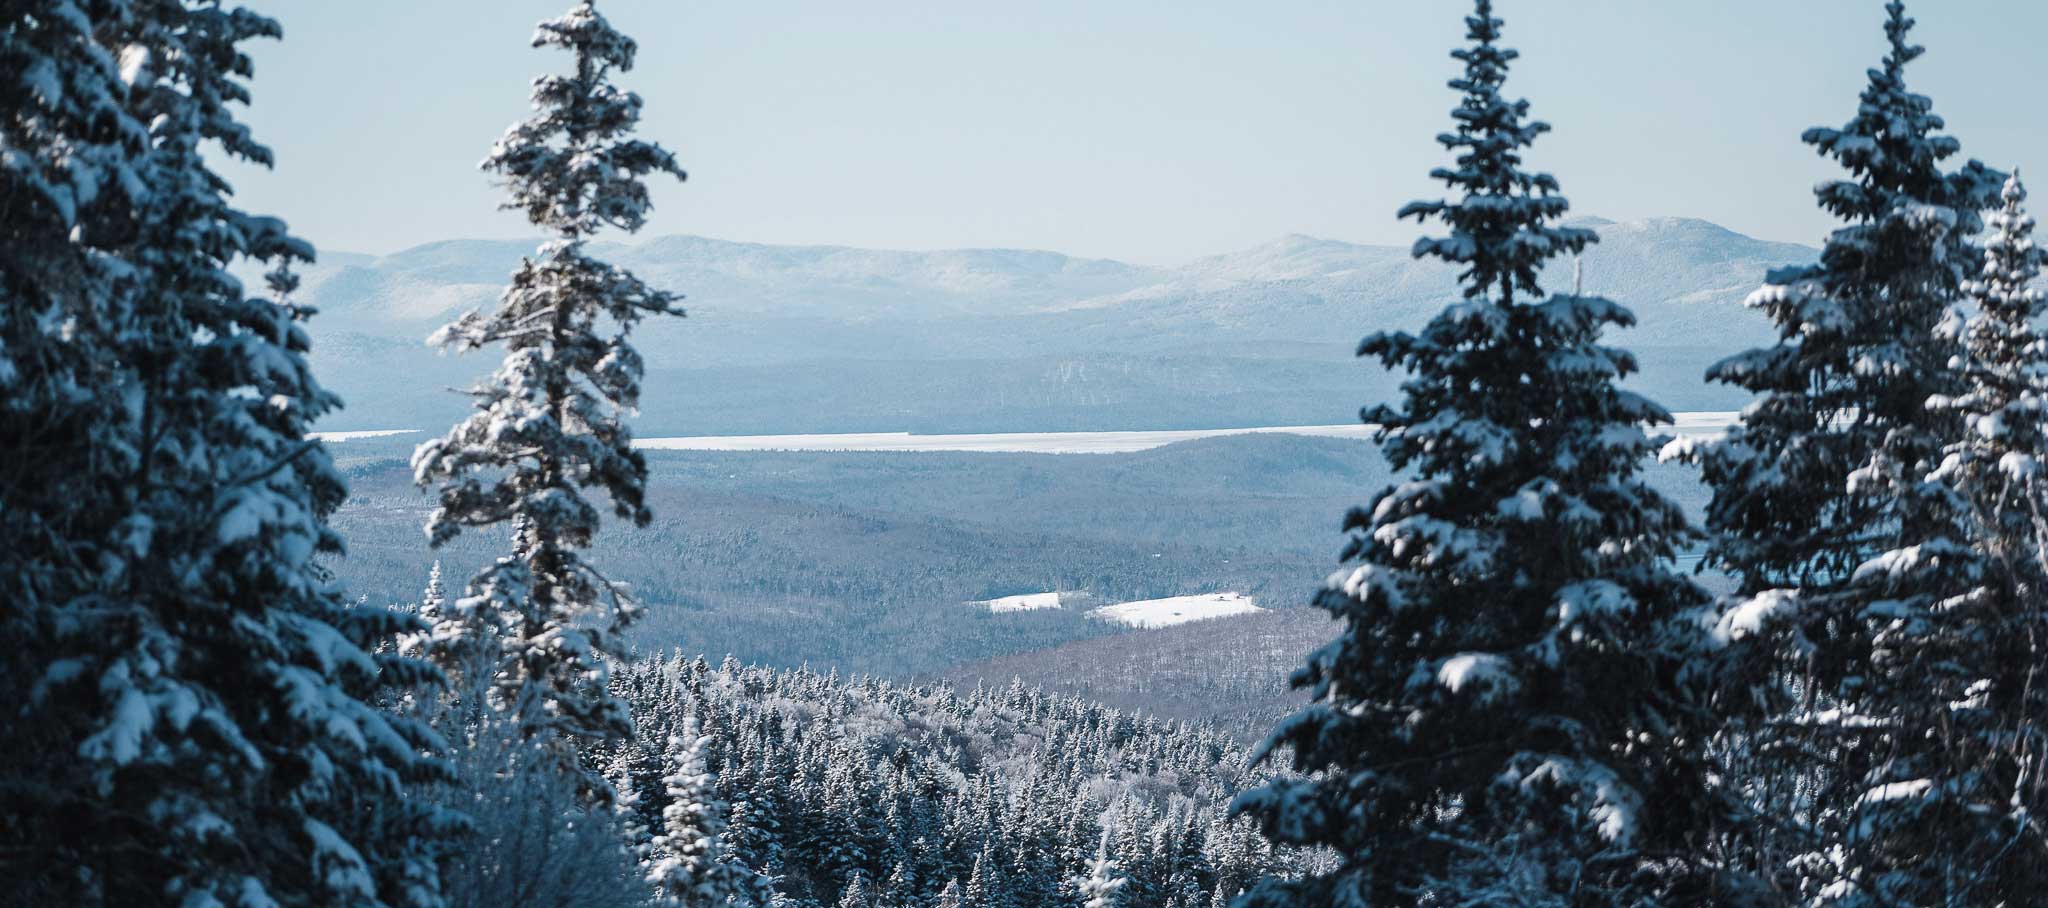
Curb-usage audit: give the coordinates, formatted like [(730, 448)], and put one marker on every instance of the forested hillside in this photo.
[(985, 797), (866, 561)]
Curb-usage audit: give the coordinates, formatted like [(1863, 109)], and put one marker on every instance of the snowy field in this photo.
[(1691, 425), (1144, 613), (1153, 613), (1029, 602)]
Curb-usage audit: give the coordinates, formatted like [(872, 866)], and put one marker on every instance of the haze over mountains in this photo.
[(786, 339)]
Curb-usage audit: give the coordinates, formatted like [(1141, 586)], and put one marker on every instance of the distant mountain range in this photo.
[(835, 339)]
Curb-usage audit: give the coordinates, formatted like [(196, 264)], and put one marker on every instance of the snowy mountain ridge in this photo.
[(1653, 261), (805, 339)]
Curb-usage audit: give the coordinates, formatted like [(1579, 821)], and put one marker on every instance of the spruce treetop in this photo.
[(1892, 140), (2003, 332), (573, 166), (1499, 232), (1862, 348)]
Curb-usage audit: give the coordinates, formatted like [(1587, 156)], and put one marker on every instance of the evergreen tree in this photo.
[(1995, 465), (191, 716), (468, 663), (629, 771), (435, 597), (71, 186), (856, 893), (927, 868), (689, 869), (1849, 550), (985, 884), (1507, 711), (1099, 887), (549, 424), (900, 890), (1946, 816)]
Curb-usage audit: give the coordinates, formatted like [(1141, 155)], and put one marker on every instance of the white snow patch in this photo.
[(1029, 602), (1897, 791), (1752, 615), (1593, 597), (1153, 613), (1486, 669), (1614, 806)]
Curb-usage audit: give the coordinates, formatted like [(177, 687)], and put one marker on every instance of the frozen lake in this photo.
[(1692, 425), (1704, 424)]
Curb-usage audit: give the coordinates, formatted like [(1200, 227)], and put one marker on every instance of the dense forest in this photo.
[(929, 796)]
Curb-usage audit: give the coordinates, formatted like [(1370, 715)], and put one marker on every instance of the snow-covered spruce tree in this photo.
[(688, 867), (985, 887), (70, 185), (468, 662), (197, 726), (1995, 464), (1505, 717), (550, 423), (1947, 812), (856, 893), (433, 599), (1099, 888), (1848, 553)]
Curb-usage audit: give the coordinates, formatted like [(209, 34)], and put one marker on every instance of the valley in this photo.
[(937, 562), (984, 464)]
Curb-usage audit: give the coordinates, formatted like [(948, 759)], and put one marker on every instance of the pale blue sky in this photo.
[(1146, 130)]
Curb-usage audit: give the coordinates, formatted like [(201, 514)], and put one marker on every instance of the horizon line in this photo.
[(631, 241)]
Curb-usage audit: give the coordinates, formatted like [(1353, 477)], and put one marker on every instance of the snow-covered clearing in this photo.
[(1029, 602), (1152, 613)]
